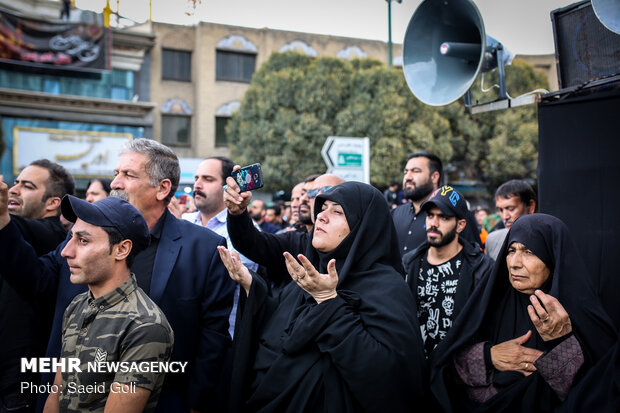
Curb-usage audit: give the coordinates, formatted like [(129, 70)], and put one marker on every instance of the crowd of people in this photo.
[(356, 300)]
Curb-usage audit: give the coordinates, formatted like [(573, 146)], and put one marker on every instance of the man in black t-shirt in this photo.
[(445, 269), (423, 174)]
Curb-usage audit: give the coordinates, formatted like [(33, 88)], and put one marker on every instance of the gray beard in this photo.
[(120, 194)]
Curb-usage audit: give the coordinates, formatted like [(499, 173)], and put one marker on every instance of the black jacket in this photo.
[(474, 273), (25, 322), (476, 267)]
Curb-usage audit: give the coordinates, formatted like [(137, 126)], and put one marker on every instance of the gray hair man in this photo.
[(180, 270)]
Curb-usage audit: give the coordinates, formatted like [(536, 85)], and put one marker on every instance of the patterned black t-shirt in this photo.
[(436, 294)]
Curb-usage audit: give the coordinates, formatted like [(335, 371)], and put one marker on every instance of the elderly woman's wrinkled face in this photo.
[(526, 271), (331, 227)]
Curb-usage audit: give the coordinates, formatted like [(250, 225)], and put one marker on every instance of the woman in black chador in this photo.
[(532, 333), (343, 337)]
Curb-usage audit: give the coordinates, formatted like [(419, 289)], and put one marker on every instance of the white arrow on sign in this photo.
[(329, 142), (347, 157)]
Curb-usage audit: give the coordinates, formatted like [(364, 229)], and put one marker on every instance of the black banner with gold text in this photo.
[(53, 44)]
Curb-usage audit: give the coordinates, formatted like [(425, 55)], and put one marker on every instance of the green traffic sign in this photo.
[(350, 159)]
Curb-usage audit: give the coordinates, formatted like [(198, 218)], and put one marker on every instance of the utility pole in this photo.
[(389, 2)]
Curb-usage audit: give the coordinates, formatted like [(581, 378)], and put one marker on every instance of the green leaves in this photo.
[(295, 102)]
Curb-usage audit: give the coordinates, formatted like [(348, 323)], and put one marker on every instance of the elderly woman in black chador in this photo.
[(344, 336), (531, 333)]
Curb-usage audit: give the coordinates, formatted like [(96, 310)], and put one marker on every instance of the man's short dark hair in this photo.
[(434, 163), (114, 237), (311, 178), (105, 184), (276, 209), (517, 187), (60, 182), (481, 208), (262, 204), (227, 166)]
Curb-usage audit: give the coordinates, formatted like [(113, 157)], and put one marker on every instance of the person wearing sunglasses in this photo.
[(313, 193)]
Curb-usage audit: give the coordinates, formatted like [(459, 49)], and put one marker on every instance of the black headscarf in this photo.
[(548, 238), (372, 234), (498, 313), (359, 351)]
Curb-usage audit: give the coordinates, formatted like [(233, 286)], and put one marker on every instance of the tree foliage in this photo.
[(294, 102)]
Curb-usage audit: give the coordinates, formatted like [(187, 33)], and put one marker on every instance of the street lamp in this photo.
[(389, 2)]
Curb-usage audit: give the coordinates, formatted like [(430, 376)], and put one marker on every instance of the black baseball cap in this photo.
[(449, 201), (109, 212)]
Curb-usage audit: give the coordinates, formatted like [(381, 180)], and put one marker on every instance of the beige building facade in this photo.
[(222, 59), (176, 84), (200, 73)]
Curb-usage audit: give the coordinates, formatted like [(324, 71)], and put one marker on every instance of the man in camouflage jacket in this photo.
[(120, 337)]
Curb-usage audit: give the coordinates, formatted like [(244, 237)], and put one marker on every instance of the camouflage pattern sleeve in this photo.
[(148, 342), (70, 310)]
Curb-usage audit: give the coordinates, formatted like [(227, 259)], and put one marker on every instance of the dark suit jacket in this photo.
[(190, 284), (26, 323)]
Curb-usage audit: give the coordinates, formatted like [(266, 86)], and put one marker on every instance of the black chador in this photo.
[(360, 351), (498, 313)]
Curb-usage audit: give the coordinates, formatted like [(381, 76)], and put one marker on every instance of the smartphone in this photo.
[(249, 177)]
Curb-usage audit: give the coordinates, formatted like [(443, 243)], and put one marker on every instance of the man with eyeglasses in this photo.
[(267, 249)]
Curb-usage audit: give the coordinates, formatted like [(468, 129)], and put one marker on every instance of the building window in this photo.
[(234, 66), (118, 93), (121, 84), (175, 130), (51, 86), (176, 65), (221, 139)]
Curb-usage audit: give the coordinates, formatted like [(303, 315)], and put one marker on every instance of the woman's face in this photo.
[(526, 271), (331, 227)]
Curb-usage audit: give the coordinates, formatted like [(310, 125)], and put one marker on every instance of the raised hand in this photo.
[(237, 271), (552, 320), (321, 287), (176, 208), (4, 203), (512, 355), (235, 200)]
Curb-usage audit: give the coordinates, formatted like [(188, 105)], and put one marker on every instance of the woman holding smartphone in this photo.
[(344, 335)]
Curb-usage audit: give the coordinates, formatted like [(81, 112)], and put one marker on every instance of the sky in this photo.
[(523, 26)]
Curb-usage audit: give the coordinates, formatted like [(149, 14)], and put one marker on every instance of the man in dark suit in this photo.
[(180, 270)]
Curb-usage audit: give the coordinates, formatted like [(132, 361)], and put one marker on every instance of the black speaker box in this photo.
[(578, 178), (585, 49)]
